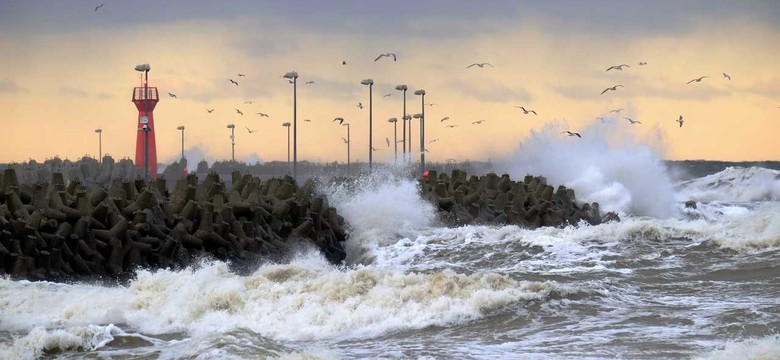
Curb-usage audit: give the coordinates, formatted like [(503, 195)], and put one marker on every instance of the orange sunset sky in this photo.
[(67, 69)]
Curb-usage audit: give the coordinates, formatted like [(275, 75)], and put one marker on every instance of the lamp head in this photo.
[(231, 126), (408, 117), (286, 124), (98, 131), (290, 75), (345, 124), (367, 82), (392, 120), (417, 116), (420, 92), (401, 87), (143, 67), (180, 128)]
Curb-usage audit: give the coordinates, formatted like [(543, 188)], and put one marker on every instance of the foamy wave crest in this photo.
[(380, 208), (734, 184), (732, 227), (767, 348), (606, 165), (305, 300), (40, 341)]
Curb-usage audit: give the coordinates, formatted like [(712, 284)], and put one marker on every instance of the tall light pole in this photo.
[(287, 125), (145, 119), (100, 144), (294, 76), (421, 92), (349, 142), (232, 141), (182, 140), (370, 84), (403, 117), (394, 121)]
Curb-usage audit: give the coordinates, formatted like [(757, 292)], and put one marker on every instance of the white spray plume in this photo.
[(607, 165)]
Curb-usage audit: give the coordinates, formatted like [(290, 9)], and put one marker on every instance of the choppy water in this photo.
[(701, 283)]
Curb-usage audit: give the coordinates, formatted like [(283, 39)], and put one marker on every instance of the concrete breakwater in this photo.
[(493, 199), (59, 231)]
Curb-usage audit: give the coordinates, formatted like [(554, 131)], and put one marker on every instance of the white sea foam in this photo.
[(305, 300), (39, 341), (381, 208), (767, 348), (607, 165), (734, 184)]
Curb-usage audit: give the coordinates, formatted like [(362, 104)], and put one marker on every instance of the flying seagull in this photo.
[(210, 110), (526, 111), (696, 80), (603, 120), (680, 120), (617, 111), (372, 149), (571, 133), (430, 104), (614, 88), (344, 62), (617, 67), (433, 141), (444, 119), (307, 120), (451, 126), (239, 112), (386, 54), (387, 140), (345, 140), (482, 65), (387, 95), (632, 121), (290, 81), (99, 6), (249, 102), (241, 75), (262, 114), (726, 76), (250, 131), (309, 83), (478, 122), (642, 63), (172, 95), (360, 105), (340, 120), (233, 82)]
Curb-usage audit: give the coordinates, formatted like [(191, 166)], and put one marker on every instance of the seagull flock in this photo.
[(481, 65)]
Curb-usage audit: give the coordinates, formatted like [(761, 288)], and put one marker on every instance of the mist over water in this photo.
[(607, 165)]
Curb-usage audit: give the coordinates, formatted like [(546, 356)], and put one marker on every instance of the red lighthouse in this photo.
[(145, 98)]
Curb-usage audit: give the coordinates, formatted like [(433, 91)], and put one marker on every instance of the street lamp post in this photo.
[(349, 142), (182, 140), (370, 84), (394, 121), (421, 92), (403, 118), (294, 76), (100, 144), (287, 125), (145, 128), (232, 141)]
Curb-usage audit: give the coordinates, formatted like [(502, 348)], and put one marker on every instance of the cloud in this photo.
[(10, 86), (489, 91), (681, 91), (105, 95), (770, 88), (71, 91)]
